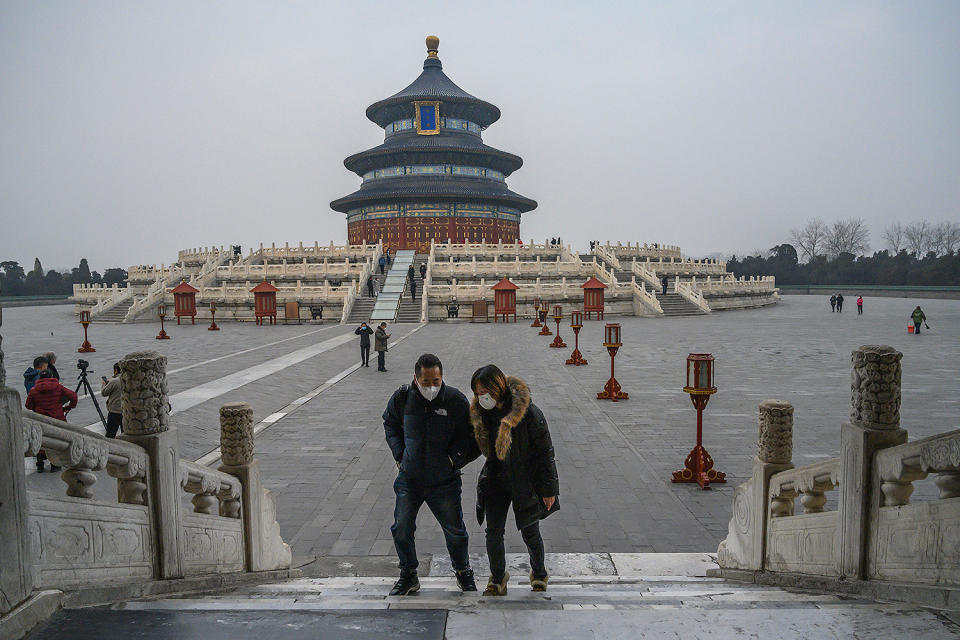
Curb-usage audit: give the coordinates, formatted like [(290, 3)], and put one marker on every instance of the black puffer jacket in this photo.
[(523, 446), (430, 440)]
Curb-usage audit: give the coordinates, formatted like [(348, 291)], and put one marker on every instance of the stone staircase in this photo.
[(410, 310), (115, 314), (627, 595), (673, 304), (363, 306)]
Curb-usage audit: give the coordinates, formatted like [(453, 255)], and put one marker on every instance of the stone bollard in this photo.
[(874, 425), (146, 422), (744, 546), (265, 549)]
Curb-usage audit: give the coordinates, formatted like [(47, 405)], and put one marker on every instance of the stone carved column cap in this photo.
[(236, 434), (775, 437), (146, 408), (875, 387)]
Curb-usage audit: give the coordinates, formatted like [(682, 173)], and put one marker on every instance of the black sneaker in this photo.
[(54, 468), (408, 584), (465, 580)]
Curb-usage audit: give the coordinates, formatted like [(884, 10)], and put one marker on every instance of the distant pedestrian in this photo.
[(370, 286), (919, 318), (859, 305), (52, 365), (423, 270), (47, 398), (665, 283), (364, 331), (411, 274), (413, 289), (380, 338), (512, 434), (112, 392), (839, 303), (381, 263), (389, 257), (32, 374), (833, 303)]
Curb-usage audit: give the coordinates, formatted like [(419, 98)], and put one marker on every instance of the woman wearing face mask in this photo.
[(520, 470)]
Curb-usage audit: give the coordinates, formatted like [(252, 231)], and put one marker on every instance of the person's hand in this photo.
[(548, 502)]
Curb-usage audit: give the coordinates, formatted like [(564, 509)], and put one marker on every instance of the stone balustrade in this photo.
[(876, 538), (645, 301), (317, 252), (199, 255), (529, 251), (684, 266), (690, 293), (148, 274), (74, 540), (731, 285), (297, 270), (515, 268), (89, 294), (631, 251)]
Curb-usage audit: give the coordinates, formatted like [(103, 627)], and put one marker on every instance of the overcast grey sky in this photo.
[(132, 129)]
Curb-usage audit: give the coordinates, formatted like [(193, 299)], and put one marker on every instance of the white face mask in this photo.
[(486, 401), (429, 393)]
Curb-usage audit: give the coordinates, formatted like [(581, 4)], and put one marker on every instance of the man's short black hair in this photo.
[(427, 361), (46, 373), (39, 361), (116, 366)]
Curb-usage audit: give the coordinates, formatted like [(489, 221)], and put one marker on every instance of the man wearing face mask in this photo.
[(427, 425)]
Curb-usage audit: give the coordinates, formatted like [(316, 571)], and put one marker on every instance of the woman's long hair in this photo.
[(491, 378)]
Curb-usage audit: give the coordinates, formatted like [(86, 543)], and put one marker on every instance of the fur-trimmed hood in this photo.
[(520, 402)]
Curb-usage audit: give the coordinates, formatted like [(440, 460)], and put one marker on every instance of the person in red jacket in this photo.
[(47, 397)]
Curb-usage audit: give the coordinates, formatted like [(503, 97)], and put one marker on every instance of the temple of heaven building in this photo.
[(433, 178)]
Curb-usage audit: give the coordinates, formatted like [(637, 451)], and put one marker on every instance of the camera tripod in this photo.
[(85, 384)]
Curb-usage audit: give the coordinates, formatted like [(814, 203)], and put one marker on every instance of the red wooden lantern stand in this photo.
[(536, 313), (162, 312), (185, 302), (593, 298), (213, 323), (265, 302), (558, 316), (545, 331), (505, 300), (86, 347), (576, 323), (611, 390), (698, 467)]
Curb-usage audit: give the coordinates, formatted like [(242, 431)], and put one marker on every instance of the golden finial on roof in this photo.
[(433, 43)]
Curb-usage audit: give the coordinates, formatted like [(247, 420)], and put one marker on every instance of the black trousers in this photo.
[(381, 360), (365, 355), (114, 424), (496, 505)]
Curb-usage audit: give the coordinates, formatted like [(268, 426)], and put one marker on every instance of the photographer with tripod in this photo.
[(47, 397)]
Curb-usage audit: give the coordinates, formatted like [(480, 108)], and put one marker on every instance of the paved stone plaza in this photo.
[(329, 467)]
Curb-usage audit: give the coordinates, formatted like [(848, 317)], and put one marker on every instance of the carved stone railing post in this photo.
[(746, 537), (146, 413), (874, 425), (265, 549), (16, 573)]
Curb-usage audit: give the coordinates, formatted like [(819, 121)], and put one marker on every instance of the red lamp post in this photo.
[(162, 312), (611, 337), (545, 331), (558, 316), (698, 467), (536, 313), (213, 323), (86, 347), (576, 323)]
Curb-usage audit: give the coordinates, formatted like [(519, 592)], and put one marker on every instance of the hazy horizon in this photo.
[(134, 130)]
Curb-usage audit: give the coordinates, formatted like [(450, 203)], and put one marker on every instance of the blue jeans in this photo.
[(444, 502)]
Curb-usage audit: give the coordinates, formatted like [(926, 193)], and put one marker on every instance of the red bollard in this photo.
[(162, 312), (213, 323), (698, 467), (86, 347), (576, 323), (611, 390)]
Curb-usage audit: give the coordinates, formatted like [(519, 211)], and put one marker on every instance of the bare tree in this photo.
[(848, 236), (918, 237), (894, 235), (944, 238), (810, 238)]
